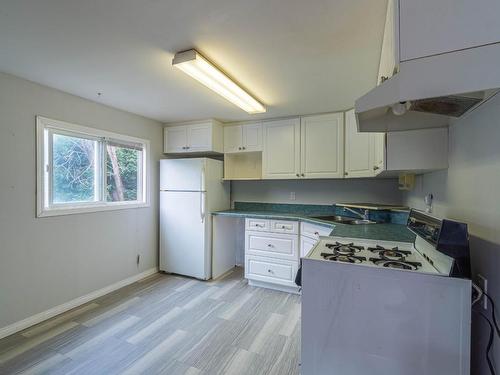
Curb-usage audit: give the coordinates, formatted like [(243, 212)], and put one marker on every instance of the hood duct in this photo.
[(429, 92)]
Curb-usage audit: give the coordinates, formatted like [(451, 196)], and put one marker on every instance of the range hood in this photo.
[(430, 92)]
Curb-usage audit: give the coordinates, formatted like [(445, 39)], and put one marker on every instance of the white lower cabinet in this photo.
[(273, 245), (273, 249), (309, 235), (306, 244), (272, 253), (271, 271)]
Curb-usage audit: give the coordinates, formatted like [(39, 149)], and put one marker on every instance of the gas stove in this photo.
[(373, 253), (379, 307)]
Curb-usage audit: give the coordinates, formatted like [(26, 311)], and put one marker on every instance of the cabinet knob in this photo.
[(345, 173), (269, 245), (283, 227), (375, 167), (303, 175), (316, 233), (270, 271), (239, 148), (243, 148), (383, 79), (298, 175)]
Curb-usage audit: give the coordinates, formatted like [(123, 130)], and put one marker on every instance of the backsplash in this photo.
[(394, 217)]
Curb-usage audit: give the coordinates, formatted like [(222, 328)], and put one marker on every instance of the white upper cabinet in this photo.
[(378, 142), (389, 58), (204, 136), (233, 138), (358, 149), (252, 137), (310, 147), (200, 137), (175, 139), (281, 152), (364, 152), (322, 146), (243, 138), (430, 27)]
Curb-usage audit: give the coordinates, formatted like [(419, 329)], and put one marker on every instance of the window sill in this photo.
[(71, 210)]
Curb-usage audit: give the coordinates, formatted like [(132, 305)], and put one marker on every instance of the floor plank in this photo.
[(166, 324)]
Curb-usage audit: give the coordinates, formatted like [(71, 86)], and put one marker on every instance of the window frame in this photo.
[(45, 128)]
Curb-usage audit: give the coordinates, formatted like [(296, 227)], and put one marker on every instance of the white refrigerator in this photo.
[(190, 189)]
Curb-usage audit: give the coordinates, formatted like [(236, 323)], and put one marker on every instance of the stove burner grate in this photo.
[(398, 264), (344, 248), (390, 254), (345, 258)]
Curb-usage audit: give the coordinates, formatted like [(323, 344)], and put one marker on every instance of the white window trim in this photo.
[(43, 123)]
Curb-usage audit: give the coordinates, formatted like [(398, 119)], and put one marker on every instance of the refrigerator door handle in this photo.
[(202, 207), (202, 179)]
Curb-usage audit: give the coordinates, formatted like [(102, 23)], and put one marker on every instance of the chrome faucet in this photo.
[(363, 215)]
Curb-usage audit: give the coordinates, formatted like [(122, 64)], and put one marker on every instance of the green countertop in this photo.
[(385, 231)]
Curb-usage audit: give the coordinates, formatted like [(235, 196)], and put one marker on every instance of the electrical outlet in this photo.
[(292, 195), (138, 259), (483, 284)]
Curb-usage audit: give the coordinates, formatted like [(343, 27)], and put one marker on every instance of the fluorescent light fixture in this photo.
[(195, 65)]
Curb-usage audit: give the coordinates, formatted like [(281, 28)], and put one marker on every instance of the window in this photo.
[(83, 169)]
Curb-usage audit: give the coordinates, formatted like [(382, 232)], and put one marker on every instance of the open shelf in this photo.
[(243, 166)]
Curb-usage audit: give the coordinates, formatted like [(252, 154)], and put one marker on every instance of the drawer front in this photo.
[(314, 231), (271, 270), (276, 245), (285, 226), (257, 224)]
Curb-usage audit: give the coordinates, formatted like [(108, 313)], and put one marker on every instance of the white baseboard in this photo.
[(47, 314)]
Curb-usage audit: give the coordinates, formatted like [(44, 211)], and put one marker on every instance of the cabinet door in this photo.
[(322, 146), (233, 138), (306, 244), (281, 153), (252, 137), (358, 149), (364, 152), (175, 139), (200, 137), (378, 141), (389, 54)]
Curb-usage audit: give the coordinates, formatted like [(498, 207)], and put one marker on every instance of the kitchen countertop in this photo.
[(384, 231)]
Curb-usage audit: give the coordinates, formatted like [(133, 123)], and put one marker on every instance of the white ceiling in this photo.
[(296, 56)]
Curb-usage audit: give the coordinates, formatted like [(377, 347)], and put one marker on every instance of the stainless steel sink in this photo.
[(344, 220), (362, 221)]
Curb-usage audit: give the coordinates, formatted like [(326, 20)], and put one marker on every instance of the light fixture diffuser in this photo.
[(195, 65)]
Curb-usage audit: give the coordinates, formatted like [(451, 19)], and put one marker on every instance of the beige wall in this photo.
[(317, 191), (49, 261), (469, 191)]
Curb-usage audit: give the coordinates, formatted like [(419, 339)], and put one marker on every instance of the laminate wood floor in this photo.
[(166, 324)]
